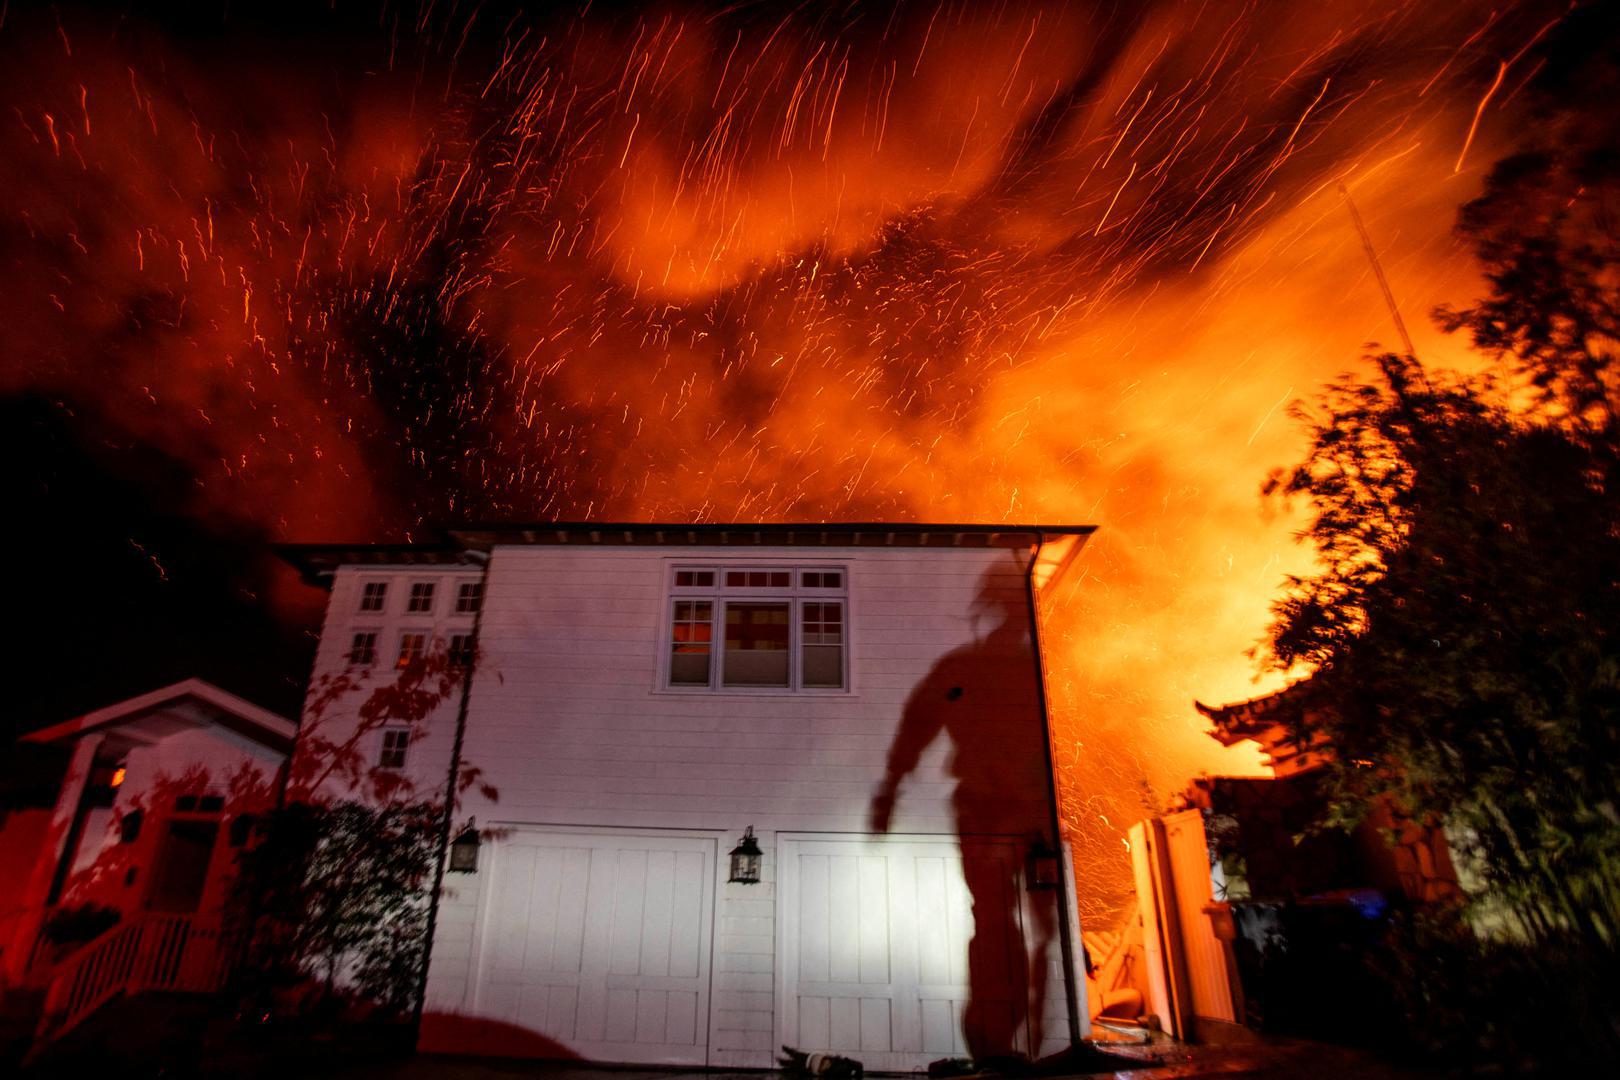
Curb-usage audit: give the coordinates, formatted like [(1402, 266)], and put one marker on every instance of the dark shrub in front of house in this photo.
[(329, 911), (1501, 1003)]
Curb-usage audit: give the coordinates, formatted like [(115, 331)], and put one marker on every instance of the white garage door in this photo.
[(874, 946), (600, 942)]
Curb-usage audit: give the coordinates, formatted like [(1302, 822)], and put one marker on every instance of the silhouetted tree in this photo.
[(337, 882), (1462, 625)]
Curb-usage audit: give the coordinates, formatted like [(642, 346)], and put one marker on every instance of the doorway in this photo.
[(180, 875)]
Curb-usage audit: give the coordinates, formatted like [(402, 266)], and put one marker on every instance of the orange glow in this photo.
[(117, 778), (982, 263)]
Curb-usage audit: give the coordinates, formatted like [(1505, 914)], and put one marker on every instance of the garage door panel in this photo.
[(875, 942), (600, 942)]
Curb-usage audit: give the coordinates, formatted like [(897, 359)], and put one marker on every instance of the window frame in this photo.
[(428, 587), (401, 661), (375, 634), (380, 585), (383, 748), (796, 594), (469, 598)]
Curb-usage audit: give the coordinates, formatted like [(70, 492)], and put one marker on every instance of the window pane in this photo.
[(689, 668), (690, 634), (824, 665), (756, 645), (781, 579), (736, 577)]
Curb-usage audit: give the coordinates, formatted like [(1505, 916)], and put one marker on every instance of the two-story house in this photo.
[(863, 705)]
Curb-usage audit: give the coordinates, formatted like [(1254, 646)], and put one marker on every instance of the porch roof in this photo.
[(185, 705)]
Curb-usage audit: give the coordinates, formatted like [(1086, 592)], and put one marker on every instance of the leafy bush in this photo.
[(339, 895), (1503, 1004)]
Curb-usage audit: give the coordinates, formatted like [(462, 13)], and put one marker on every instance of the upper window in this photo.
[(421, 597), (469, 595), (777, 628), (395, 741), (373, 595), (412, 647), (363, 648)]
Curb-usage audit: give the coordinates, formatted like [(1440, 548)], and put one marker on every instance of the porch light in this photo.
[(1043, 870), (464, 850), (745, 859)]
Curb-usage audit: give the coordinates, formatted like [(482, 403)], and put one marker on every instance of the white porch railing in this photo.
[(147, 951)]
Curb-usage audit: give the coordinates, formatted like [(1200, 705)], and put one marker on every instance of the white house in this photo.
[(142, 818), (865, 701)]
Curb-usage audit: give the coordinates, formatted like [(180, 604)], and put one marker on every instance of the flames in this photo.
[(957, 262)]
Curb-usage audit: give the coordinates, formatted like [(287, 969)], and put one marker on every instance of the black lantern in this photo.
[(745, 859), (1043, 870), (464, 850)]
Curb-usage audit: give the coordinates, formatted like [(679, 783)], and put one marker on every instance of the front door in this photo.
[(180, 874)]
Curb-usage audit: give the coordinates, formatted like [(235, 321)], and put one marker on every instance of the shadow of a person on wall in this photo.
[(984, 696)]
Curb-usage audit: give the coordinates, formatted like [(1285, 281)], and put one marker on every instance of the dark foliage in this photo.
[(337, 893), (1462, 627)]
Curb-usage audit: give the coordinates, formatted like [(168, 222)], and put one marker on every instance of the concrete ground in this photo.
[(1269, 1060)]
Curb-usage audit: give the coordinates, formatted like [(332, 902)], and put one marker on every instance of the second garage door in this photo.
[(599, 942), (875, 948)]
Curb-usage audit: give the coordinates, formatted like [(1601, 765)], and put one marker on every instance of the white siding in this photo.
[(567, 720), (428, 759)]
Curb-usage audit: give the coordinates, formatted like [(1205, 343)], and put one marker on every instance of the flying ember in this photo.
[(946, 262)]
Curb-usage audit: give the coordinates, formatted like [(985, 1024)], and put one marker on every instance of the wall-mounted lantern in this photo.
[(1044, 868), (464, 849), (745, 859)]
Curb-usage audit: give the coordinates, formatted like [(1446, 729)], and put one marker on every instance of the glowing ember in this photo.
[(966, 263)]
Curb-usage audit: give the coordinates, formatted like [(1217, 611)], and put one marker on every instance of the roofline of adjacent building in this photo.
[(460, 543), (236, 713)]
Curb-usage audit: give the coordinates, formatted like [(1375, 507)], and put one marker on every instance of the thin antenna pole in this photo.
[(1378, 272)]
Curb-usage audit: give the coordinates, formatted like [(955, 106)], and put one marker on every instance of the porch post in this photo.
[(31, 899)]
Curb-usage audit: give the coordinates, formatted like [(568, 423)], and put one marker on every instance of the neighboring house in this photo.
[(141, 820), (1247, 909), (863, 703)]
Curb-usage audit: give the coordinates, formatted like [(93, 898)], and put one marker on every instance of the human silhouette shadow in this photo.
[(984, 697)]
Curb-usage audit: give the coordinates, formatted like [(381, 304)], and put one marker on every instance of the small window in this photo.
[(462, 650), (395, 741), (469, 595), (363, 649), (756, 651), (822, 640), (692, 643), (412, 647), (421, 597), (694, 579), (758, 579), (373, 595), (822, 579)]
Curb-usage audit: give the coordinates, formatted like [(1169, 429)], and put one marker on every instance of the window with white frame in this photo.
[(412, 647), (363, 648), (421, 597), (373, 595), (469, 595), (758, 628), (395, 741), (462, 650)]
